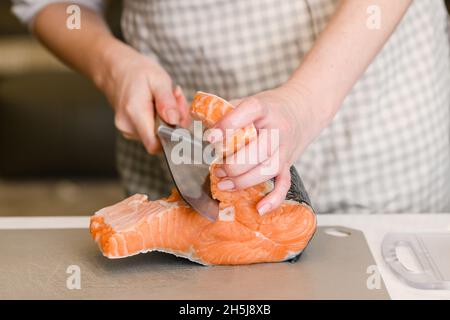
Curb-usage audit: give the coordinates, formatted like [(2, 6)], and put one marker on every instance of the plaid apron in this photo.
[(386, 151)]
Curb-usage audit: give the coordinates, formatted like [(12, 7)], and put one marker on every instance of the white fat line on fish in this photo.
[(260, 235)]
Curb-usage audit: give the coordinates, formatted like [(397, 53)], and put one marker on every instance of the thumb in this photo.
[(166, 104)]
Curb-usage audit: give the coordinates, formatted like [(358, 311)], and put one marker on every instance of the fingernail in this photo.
[(214, 135), (225, 185), (172, 116), (264, 208), (220, 173), (177, 91)]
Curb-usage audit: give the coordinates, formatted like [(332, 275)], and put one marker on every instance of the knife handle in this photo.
[(175, 133), (162, 128), (159, 122)]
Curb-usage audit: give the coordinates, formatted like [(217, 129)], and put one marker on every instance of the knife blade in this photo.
[(191, 180)]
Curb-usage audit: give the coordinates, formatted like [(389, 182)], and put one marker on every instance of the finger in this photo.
[(214, 136), (236, 102), (261, 173), (125, 126), (248, 111), (130, 136), (143, 119), (183, 107), (275, 198), (165, 102), (254, 153)]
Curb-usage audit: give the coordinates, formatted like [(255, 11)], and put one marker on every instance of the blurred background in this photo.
[(56, 130), (57, 135)]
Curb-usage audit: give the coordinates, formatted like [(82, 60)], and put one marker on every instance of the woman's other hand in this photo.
[(286, 121)]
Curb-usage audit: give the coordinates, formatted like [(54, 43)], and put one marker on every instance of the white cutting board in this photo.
[(45, 264)]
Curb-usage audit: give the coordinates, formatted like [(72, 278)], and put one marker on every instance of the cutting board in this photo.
[(66, 264)]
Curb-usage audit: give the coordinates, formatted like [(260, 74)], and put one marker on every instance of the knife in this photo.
[(191, 180)]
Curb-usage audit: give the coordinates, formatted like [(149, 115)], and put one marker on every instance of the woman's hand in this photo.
[(286, 124), (136, 85)]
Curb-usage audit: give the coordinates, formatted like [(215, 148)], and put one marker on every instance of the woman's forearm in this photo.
[(88, 49), (344, 50)]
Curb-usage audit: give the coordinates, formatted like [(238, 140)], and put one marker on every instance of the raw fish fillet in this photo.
[(239, 236)]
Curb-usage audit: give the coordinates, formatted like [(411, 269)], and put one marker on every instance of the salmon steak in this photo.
[(240, 235)]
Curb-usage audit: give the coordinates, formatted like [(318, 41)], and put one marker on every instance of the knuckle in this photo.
[(289, 128), (166, 79), (270, 167), (240, 182), (265, 149), (255, 104), (162, 80), (130, 110), (120, 122), (227, 168), (222, 125), (239, 185), (230, 170)]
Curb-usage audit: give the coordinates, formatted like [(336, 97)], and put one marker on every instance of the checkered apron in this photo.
[(387, 150)]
